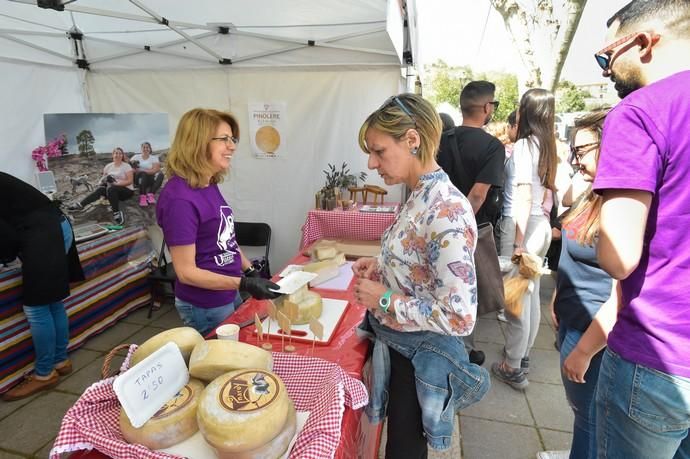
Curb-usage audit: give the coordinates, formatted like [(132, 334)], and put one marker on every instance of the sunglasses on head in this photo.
[(397, 101)]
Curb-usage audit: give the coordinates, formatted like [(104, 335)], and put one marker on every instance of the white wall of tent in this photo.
[(331, 62)]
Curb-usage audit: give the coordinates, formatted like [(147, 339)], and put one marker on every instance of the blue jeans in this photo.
[(49, 325), (641, 412), (580, 397), (205, 320)]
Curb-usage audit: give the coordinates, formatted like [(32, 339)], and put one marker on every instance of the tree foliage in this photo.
[(570, 98), (85, 141), (446, 83)]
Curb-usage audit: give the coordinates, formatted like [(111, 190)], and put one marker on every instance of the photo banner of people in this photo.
[(266, 133)]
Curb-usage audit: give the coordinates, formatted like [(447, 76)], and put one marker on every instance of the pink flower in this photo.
[(54, 149)]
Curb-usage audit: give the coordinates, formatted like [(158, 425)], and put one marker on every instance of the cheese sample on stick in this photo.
[(186, 339), (325, 270), (309, 305), (243, 410), (215, 357), (172, 424)]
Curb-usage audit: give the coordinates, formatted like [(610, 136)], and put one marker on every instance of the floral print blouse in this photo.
[(427, 255)]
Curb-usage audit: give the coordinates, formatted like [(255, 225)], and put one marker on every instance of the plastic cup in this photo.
[(228, 331)]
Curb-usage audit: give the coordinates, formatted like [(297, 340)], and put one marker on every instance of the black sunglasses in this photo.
[(397, 101)]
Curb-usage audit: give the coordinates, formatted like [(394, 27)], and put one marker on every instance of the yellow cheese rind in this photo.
[(243, 410), (173, 423), (274, 448), (309, 306), (215, 357), (186, 339)]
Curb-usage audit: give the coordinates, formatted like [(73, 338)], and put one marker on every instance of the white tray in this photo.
[(330, 318)]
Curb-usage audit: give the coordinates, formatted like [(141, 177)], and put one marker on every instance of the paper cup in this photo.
[(228, 331)]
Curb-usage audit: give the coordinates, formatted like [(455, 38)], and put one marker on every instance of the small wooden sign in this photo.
[(285, 327), (316, 328), (259, 327)]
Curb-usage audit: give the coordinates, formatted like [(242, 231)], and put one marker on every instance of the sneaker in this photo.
[(524, 365), (31, 385), (142, 201), (119, 217), (514, 378), (501, 315), (477, 357), (75, 206), (150, 198), (64, 368)]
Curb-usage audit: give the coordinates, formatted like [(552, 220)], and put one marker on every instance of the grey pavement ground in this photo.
[(506, 424)]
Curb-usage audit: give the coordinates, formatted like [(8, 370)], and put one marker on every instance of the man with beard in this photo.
[(473, 160), (643, 394)]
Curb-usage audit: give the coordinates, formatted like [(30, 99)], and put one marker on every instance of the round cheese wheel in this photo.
[(274, 448), (173, 423), (186, 339), (243, 410), (215, 357)]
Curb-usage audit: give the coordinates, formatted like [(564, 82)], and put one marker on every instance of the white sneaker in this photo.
[(553, 454), (501, 315)]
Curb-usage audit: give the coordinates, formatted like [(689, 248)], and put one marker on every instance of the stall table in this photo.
[(115, 265), (344, 224)]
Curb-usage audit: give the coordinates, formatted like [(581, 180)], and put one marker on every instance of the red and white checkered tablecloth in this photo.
[(314, 385), (344, 224)]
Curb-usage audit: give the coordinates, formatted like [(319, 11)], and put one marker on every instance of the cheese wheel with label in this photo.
[(274, 448), (243, 410), (215, 357), (186, 339), (172, 424)]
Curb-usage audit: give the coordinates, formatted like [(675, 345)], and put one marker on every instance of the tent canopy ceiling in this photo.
[(152, 34)]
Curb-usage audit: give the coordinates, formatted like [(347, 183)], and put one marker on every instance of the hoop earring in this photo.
[(414, 151)]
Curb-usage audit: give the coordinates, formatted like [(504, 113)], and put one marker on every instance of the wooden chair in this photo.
[(353, 193), (376, 191)]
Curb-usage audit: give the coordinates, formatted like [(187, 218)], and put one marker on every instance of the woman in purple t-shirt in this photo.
[(198, 224)]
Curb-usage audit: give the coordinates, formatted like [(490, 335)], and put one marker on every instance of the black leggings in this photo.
[(114, 193), (405, 431), (148, 183)]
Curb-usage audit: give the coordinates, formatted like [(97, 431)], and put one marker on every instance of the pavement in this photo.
[(507, 424)]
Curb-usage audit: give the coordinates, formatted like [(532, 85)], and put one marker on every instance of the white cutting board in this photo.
[(330, 318)]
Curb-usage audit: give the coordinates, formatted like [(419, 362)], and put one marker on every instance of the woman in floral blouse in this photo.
[(421, 292)]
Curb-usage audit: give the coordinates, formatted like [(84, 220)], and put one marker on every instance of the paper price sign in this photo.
[(147, 386)]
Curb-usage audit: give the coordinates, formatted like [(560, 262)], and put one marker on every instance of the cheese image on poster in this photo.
[(267, 123)]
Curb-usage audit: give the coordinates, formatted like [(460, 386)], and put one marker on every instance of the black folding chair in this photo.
[(160, 275), (252, 234)]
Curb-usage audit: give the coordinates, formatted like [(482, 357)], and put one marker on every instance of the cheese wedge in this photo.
[(185, 338)]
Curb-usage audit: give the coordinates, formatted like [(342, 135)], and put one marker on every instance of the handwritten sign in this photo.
[(147, 386)]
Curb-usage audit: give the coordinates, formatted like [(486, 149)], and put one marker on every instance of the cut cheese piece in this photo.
[(185, 338), (243, 410), (274, 448), (339, 259), (325, 270), (309, 305), (324, 253), (214, 357), (172, 424)]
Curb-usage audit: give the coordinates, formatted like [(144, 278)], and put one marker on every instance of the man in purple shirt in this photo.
[(643, 394)]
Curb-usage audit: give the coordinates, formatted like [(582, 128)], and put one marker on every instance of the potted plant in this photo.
[(338, 181)]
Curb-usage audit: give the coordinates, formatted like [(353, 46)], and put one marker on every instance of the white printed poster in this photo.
[(266, 128)]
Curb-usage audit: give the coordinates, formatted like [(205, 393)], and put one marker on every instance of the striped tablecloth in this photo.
[(344, 224), (116, 266)]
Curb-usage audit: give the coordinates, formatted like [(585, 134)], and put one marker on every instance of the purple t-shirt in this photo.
[(646, 146), (200, 216)]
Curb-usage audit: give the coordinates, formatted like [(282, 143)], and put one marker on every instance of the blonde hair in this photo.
[(499, 129), (189, 156), (586, 212), (393, 119)]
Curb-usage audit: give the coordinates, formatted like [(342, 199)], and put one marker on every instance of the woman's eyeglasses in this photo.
[(580, 151), (227, 139), (396, 100)]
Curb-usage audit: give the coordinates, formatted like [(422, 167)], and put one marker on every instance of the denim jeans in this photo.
[(580, 397), (641, 412), (204, 320), (49, 325)]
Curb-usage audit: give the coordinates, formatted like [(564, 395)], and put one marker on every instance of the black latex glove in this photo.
[(258, 287)]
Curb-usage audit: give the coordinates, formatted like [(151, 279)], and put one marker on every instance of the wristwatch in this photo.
[(248, 271), (385, 300)]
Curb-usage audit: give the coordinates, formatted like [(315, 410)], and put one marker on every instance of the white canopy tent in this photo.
[(330, 61)]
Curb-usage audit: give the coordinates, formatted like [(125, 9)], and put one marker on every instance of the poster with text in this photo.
[(267, 129)]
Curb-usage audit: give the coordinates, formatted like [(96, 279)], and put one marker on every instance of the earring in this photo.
[(414, 151)]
